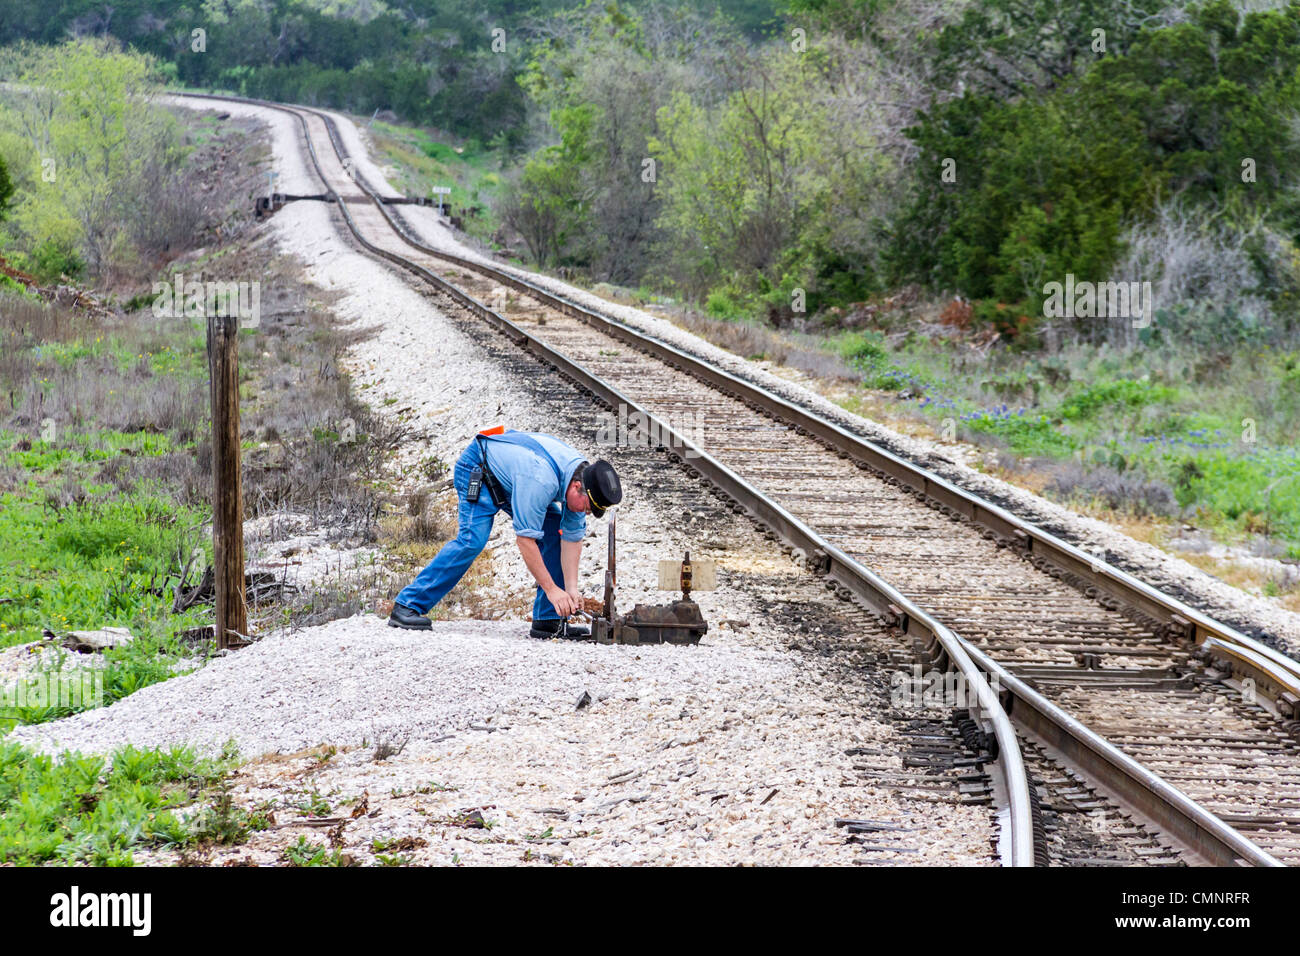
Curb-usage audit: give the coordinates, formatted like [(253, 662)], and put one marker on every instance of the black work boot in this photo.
[(557, 628), (408, 618)]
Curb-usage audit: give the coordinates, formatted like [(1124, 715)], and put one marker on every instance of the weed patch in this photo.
[(86, 809)]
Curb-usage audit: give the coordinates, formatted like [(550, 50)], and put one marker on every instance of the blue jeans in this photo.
[(474, 526)]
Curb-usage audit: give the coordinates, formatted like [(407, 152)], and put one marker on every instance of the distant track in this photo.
[(1142, 697)]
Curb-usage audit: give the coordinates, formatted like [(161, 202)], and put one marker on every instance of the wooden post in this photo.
[(227, 493)]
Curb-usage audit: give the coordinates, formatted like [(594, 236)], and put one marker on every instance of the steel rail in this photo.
[(1134, 784), (1171, 809), (862, 582)]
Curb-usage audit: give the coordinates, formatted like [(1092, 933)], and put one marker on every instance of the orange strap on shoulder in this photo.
[(495, 430)]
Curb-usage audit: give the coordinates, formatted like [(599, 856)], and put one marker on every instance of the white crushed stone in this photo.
[(312, 561), (23, 660), (1284, 573), (305, 556), (732, 775), (340, 682)]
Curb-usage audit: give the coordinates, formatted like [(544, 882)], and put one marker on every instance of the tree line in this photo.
[(981, 150), (792, 161)]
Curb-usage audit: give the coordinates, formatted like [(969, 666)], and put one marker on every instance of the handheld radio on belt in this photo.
[(475, 484), (479, 470), (482, 475)]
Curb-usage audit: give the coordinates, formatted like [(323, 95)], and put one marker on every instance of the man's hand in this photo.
[(565, 604)]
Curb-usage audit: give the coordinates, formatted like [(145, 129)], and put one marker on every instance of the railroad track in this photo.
[(1140, 700)]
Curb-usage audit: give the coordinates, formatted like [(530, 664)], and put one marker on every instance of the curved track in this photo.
[(1142, 697)]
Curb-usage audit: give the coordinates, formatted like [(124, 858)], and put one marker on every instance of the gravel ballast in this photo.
[(341, 682)]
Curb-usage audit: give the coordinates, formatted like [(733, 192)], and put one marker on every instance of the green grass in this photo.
[(1114, 396), (90, 531), (1220, 432), (45, 460), (157, 357), (1258, 493), (1032, 435), (860, 348), (421, 161), (95, 561), (723, 304), (84, 809), (306, 853), (314, 805), (98, 561), (441, 152)]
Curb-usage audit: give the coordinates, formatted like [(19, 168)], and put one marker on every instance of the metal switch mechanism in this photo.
[(677, 623)]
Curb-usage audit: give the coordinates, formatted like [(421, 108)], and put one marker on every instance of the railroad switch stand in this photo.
[(677, 623)]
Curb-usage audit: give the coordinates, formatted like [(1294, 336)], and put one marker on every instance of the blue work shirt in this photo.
[(530, 482)]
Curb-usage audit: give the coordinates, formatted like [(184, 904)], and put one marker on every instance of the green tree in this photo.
[(600, 77), (1206, 94), (94, 143), (6, 188), (742, 183), (1042, 184), (1011, 194), (1017, 47), (549, 203)]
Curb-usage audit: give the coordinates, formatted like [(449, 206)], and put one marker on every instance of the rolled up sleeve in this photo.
[(529, 504)]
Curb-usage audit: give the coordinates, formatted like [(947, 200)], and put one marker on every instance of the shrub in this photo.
[(53, 260), (1118, 394), (861, 347), (1024, 434), (6, 187), (724, 304), (76, 808), (1204, 282), (957, 313), (1115, 489), (1258, 492)]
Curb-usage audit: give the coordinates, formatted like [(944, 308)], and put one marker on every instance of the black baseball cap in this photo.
[(602, 487)]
